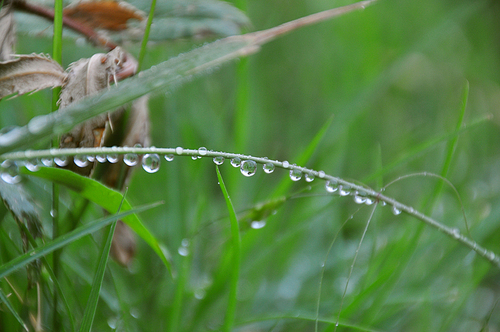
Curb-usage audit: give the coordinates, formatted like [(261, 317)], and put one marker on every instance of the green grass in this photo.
[(391, 81)]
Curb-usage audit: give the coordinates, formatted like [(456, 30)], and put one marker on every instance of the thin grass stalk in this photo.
[(145, 38)]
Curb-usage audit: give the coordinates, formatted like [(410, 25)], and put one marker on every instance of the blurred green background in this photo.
[(392, 76)]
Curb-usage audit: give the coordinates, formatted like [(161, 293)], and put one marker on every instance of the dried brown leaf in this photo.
[(29, 73), (7, 33)]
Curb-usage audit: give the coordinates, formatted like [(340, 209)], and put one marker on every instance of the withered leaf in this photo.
[(87, 77), (29, 73), (7, 33), (103, 14)]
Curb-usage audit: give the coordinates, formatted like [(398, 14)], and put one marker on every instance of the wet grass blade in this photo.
[(105, 197)]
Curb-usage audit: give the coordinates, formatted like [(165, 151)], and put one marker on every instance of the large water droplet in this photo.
[(91, 158), (47, 162), (61, 161), (202, 151), (359, 199), (248, 167), (395, 210), (309, 177), (331, 186), (268, 168), (295, 174), (151, 163), (9, 172), (101, 158), (236, 162), (32, 165), (112, 158), (219, 160), (179, 150), (369, 201), (169, 157), (81, 161), (131, 159), (258, 224)]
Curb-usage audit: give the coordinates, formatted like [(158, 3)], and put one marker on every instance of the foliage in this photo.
[(392, 76)]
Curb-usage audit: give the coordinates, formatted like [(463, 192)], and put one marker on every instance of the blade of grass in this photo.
[(236, 248), (145, 38), (105, 197), (66, 239), (9, 306), (91, 307)]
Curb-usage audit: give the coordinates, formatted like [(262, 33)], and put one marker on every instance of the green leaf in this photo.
[(64, 240), (105, 197), (9, 306), (235, 266)]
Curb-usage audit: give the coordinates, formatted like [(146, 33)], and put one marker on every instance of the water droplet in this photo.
[(179, 150), (219, 160), (382, 203), (268, 168), (202, 151), (194, 157), (53, 213), (80, 161), (169, 157), (183, 251), (358, 199), (295, 174), (101, 158), (112, 322), (47, 162), (309, 177), (321, 174), (131, 159), (456, 233), (395, 211), (258, 224), (91, 158), (344, 190), (331, 186), (185, 242), (491, 256), (32, 165), (112, 158), (285, 164), (248, 167), (236, 162), (369, 201), (61, 161), (151, 163), (199, 294), (134, 312), (9, 172)]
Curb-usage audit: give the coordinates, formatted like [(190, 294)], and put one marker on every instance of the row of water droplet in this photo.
[(151, 164)]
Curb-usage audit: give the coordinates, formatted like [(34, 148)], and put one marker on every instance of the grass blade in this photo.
[(236, 244), (64, 240), (9, 306), (105, 197)]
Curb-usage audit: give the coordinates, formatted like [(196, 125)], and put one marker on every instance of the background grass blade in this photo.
[(105, 197), (64, 240), (5, 300)]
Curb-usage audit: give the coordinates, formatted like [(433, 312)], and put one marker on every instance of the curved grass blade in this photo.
[(105, 197), (235, 273), (66, 239), (9, 306), (164, 76)]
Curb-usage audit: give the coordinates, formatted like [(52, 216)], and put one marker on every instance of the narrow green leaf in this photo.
[(236, 244), (91, 307), (9, 306), (64, 240), (105, 197)]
